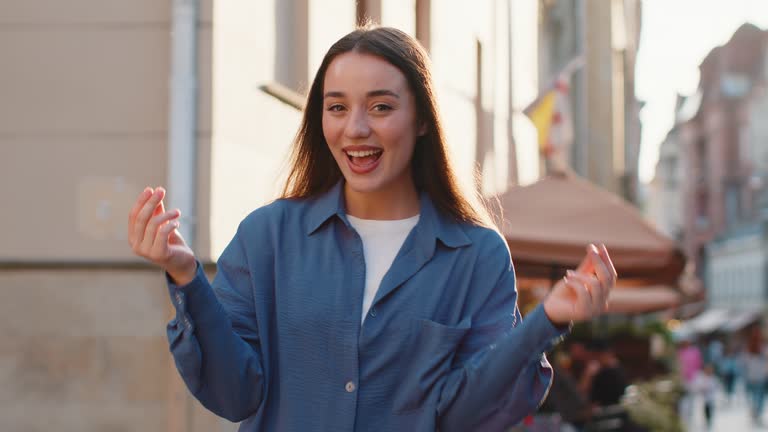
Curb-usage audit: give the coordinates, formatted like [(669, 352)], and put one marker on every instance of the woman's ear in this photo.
[(423, 129)]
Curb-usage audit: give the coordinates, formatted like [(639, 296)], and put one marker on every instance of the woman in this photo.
[(371, 224)]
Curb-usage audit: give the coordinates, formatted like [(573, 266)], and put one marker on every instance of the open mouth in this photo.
[(363, 158)]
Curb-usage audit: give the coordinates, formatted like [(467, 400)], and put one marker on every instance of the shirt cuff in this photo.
[(542, 329), (195, 299), (180, 294)]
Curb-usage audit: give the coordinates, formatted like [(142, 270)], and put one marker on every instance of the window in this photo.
[(424, 22), (733, 205), (702, 208), (292, 53)]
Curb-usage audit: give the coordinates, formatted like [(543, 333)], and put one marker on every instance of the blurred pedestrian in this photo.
[(729, 368), (706, 385), (605, 383), (690, 363), (609, 381), (715, 350), (689, 358), (373, 295), (755, 373)]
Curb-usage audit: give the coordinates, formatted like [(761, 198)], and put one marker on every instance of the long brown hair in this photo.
[(313, 169)]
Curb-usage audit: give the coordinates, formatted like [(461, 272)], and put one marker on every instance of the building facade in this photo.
[(605, 35), (737, 269), (737, 260), (714, 162), (664, 203)]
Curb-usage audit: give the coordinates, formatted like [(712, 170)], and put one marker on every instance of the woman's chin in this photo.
[(364, 185)]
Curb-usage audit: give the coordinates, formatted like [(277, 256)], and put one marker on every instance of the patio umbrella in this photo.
[(549, 224)]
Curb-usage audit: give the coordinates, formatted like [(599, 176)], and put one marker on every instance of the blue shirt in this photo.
[(275, 340)]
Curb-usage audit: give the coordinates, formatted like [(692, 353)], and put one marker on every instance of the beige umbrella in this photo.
[(549, 224)]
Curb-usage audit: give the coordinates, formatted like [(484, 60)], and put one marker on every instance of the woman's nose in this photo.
[(357, 125)]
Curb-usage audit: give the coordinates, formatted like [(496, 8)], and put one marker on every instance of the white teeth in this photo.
[(363, 153)]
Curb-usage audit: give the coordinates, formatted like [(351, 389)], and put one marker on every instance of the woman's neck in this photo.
[(389, 204)]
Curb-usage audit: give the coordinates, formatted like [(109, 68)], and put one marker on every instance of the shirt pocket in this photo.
[(430, 353)]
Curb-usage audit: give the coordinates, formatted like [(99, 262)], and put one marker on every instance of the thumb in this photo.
[(176, 238)]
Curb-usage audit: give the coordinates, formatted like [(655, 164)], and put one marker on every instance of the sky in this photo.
[(676, 35)]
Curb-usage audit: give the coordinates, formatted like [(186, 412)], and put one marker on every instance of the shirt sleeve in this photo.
[(214, 337), (501, 372)]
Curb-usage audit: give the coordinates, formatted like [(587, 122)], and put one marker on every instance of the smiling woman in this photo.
[(373, 295)]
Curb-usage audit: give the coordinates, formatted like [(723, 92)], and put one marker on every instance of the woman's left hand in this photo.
[(582, 294)]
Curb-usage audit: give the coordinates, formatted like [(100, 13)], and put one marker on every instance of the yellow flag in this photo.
[(541, 114)]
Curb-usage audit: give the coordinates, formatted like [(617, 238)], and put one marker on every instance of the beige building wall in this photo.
[(83, 350), (84, 127), (83, 123), (252, 131), (525, 87), (470, 53)]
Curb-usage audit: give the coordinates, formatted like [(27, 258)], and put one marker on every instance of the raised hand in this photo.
[(582, 294), (152, 235)]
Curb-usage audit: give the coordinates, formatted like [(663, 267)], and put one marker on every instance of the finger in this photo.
[(582, 307), (143, 216), (160, 246), (159, 209), (594, 286), (587, 264), (605, 276), (140, 201), (150, 234), (164, 220), (607, 260)]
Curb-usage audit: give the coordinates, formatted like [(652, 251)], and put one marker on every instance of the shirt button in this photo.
[(373, 312), (179, 300), (350, 387)]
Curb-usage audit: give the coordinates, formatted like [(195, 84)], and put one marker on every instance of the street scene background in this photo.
[(641, 124)]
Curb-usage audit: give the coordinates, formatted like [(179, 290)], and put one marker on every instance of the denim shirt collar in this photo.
[(432, 224)]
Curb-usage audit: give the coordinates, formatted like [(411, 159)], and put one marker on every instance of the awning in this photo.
[(741, 320), (549, 224), (709, 321), (718, 320)]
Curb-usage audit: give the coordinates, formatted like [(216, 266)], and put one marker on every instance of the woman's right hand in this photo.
[(152, 235)]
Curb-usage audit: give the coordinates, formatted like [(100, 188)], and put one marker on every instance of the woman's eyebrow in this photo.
[(382, 92)]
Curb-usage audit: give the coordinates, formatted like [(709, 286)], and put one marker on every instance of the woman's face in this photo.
[(369, 122)]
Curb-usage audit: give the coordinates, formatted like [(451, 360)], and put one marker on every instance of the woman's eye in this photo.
[(335, 108), (381, 107)]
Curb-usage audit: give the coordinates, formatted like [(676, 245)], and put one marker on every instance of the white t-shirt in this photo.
[(382, 240)]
